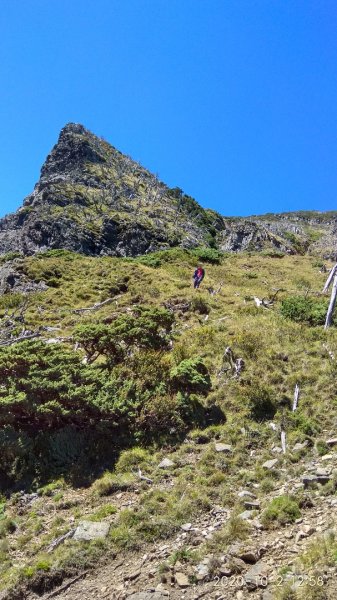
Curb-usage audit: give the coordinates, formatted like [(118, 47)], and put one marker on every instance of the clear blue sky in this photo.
[(234, 101)]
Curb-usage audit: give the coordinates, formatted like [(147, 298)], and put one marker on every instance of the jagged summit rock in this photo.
[(93, 199)]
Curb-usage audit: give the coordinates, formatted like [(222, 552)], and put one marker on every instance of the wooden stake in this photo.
[(332, 304), (296, 396), (329, 280)]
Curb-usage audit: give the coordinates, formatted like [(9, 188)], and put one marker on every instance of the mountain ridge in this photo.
[(93, 199)]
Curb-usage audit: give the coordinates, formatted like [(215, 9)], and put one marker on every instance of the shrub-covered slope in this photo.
[(125, 364)]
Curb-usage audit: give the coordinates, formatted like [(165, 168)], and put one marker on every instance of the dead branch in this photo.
[(264, 302), (21, 338), (214, 292), (60, 540), (96, 306), (230, 363), (143, 478)]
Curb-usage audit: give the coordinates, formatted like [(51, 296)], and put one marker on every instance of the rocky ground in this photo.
[(258, 567)]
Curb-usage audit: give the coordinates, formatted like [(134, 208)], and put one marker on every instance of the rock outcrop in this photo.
[(92, 199)]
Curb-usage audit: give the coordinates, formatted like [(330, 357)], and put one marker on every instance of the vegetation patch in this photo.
[(303, 309), (281, 511)]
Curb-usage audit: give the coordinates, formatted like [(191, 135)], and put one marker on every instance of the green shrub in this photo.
[(207, 255), (322, 447), (104, 511), (134, 458), (304, 310), (7, 525), (10, 256), (281, 510), (150, 260), (12, 300), (273, 253), (148, 328), (198, 304), (191, 375), (261, 401), (110, 483)]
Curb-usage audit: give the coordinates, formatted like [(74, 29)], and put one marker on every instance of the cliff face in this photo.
[(92, 199)]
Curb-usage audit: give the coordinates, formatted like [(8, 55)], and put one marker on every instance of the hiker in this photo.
[(198, 276)]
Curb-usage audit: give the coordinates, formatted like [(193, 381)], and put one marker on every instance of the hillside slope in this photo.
[(124, 365)]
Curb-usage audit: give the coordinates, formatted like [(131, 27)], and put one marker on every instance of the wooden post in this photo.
[(332, 277), (283, 441), (328, 281), (296, 397), (332, 304)]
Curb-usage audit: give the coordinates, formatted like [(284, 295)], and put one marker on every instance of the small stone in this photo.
[(270, 464), (90, 530), (223, 447), (182, 580), (327, 457), (160, 588), (300, 446), (246, 494), (153, 595), (332, 442), (257, 576), (322, 472), (236, 565), (166, 463), (202, 571), (225, 570), (251, 505), (308, 530), (132, 576), (186, 526), (247, 514)]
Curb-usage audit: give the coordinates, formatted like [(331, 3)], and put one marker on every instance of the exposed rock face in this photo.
[(12, 280), (243, 234), (92, 199)]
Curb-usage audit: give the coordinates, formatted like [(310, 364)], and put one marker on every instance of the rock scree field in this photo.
[(159, 441)]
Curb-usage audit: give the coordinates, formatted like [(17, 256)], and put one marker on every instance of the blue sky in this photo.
[(234, 101)]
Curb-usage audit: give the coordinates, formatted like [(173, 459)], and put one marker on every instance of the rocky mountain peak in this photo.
[(93, 199), (75, 146), (74, 128)]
